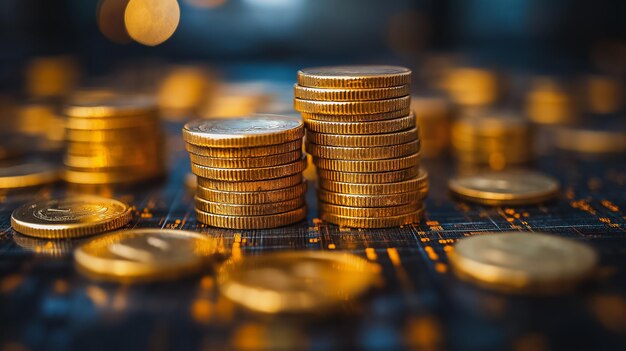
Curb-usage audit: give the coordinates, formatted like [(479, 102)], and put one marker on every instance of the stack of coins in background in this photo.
[(249, 171), (364, 142), (434, 117), (112, 139), (493, 139)]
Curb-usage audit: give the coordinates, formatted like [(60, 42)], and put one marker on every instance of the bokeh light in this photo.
[(151, 22), (110, 15)]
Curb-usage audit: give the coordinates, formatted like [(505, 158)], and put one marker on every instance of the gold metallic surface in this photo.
[(256, 130), (367, 140), (363, 153), (249, 210), (70, 217), (250, 174), (28, 174), (352, 107), (247, 162), (356, 77), (296, 281), (505, 188), (252, 197), (373, 222), (375, 127), (259, 185), (356, 118), (414, 184), (370, 178), (516, 262), (378, 200), (325, 94), (251, 222), (373, 212), (259, 151), (145, 254), (369, 166)]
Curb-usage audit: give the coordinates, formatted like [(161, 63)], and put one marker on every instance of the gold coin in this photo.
[(28, 174), (248, 162), (379, 200), (368, 166), (257, 130), (249, 174), (355, 77), (296, 281), (77, 176), (495, 124), (373, 222), (110, 161), (70, 217), (518, 262), (249, 210), (363, 153), (376, 127), (352, 107), (505, 188), (414, 184), (259, 151), (325, 94), (106, 136), (149, 121), (369, 178), (251, 198), (591, 139), (102, 104), (356, 118), (376, 212), (259, 185), (129, 148), (145, 254), (252, 222), (372, 140)]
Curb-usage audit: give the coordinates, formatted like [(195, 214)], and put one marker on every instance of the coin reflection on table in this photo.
[(517, 187), (296, 281), (145, 254), (516, 262)]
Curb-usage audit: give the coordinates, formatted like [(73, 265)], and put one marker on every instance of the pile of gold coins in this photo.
[(249, 171), (364, 142), (493, 139), (112, 139)]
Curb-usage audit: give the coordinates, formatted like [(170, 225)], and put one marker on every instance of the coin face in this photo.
[(289, 282), (508, 187), (145, 254), (245, 131), (523, 262), (70, 217)]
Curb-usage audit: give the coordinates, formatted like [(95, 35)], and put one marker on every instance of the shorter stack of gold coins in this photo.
[(364, 142), (112, 139), (249, 171), (496, 140), (434, 115)]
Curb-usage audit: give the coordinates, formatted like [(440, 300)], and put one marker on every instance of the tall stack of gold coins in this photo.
[(493, 139), (364, 142), (112, 139), (249, 170)]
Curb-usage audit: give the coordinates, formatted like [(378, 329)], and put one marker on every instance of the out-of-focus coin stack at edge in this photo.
[(112, 139), (364, 142), (249, 171), (492, 139)]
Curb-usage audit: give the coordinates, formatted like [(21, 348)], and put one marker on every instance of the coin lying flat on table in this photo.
[(505, 188), (522, 262), (357, 77), (259, 130), (296, 281), (70, 217), (28, 174), (145, 254)]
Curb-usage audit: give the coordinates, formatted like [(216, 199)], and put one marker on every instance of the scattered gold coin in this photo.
[(259, 130), (296, 281), (28, 174), (70, 217), (145, 254), (519, 262), (356, 77), (505, 188)]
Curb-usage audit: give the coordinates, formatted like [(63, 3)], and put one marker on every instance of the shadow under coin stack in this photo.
[(112, 139), (249, 171), (494, 139), (364, 142)]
